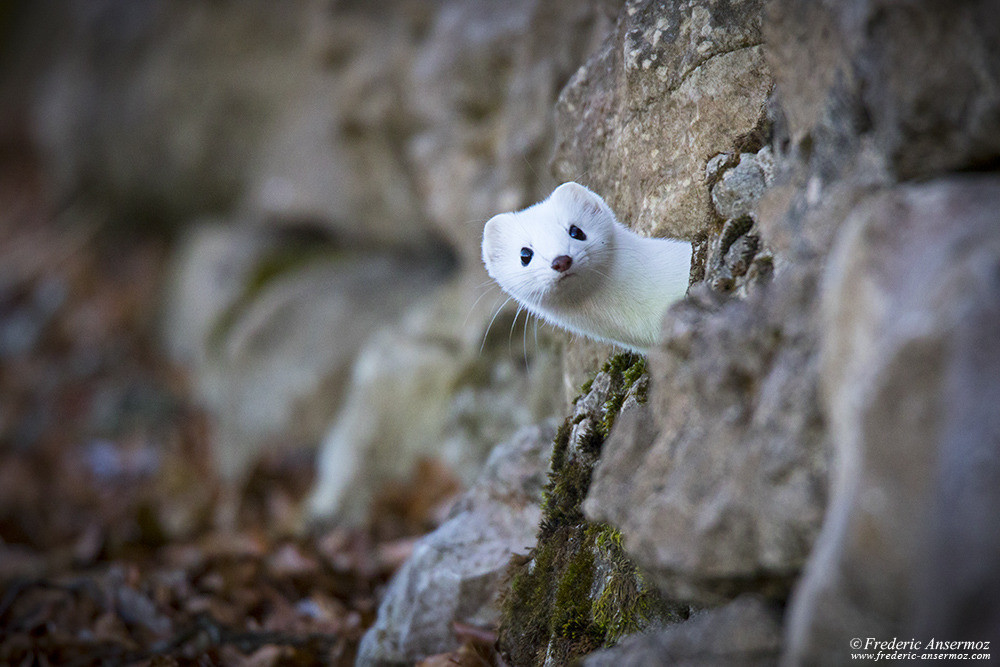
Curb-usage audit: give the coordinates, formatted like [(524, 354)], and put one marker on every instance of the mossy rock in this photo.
[(578, 591)]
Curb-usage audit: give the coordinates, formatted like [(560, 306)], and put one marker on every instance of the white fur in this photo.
[(619, 283)]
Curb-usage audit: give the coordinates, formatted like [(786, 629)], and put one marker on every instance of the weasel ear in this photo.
[(575, 195), (492, 237)]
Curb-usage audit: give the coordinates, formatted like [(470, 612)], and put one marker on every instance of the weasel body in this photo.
[(569, 261)]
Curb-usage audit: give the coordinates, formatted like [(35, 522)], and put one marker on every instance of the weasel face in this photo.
[(556, 251)]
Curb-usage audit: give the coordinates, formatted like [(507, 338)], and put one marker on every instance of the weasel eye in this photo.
[(577, 233), (526, 255)]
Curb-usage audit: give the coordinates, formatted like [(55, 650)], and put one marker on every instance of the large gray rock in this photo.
[(676, 84), (911, 378), (744, 632), (455, 573)]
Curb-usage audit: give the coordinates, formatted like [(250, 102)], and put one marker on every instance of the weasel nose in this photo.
[(562, 263)]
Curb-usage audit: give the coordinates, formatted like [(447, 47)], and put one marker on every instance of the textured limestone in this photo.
[(675, 85), (740, 188)]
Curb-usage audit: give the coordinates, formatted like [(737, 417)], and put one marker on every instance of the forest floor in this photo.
[(109, 547)]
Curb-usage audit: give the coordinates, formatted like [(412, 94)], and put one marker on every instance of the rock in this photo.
[(911, 362), (431, 387), (746, 632), (210, 269), (675, 85), (455, 573), (917, 82), (578, 590), (481, 90), (337, 157), (274, 327), (158, 110), (741, 187), (725, 490)]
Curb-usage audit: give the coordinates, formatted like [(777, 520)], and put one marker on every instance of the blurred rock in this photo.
[(481, 90), (158, 110), (428, 389), (911, 377), (745, 632), (673, 86), (211, 268), (918, 80), (274, 327), (455, 573)]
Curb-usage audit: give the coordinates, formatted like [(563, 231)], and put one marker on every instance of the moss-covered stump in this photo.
[(578, 591)]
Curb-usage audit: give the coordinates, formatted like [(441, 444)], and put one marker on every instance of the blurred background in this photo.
[(245, 343)]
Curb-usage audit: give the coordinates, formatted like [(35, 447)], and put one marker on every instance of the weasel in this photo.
[(569, 261)]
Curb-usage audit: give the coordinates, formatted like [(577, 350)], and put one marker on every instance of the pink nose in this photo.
[(562, 263)]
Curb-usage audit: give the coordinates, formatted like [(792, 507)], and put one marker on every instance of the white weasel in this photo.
[(569, 261)]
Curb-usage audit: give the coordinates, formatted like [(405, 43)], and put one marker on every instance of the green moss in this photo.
[(625, 377), (560, 445), (571, 617), (626, 604), (591, 442)]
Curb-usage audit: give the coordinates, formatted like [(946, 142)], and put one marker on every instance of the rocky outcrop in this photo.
[(854, 354)]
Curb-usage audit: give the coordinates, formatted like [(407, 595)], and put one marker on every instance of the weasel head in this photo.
[(557, 251)]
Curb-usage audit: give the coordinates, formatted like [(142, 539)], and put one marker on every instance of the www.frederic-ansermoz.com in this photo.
[(877, 650)]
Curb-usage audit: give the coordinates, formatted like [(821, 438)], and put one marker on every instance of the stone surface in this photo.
[(918, 80), (675, 85), (455, 573), (911, 378), (273, 329), (726, 490), (158, 109), (481, 90), (578, 590), (740, 188), (746, 632), (437, 385), (211, 267)]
